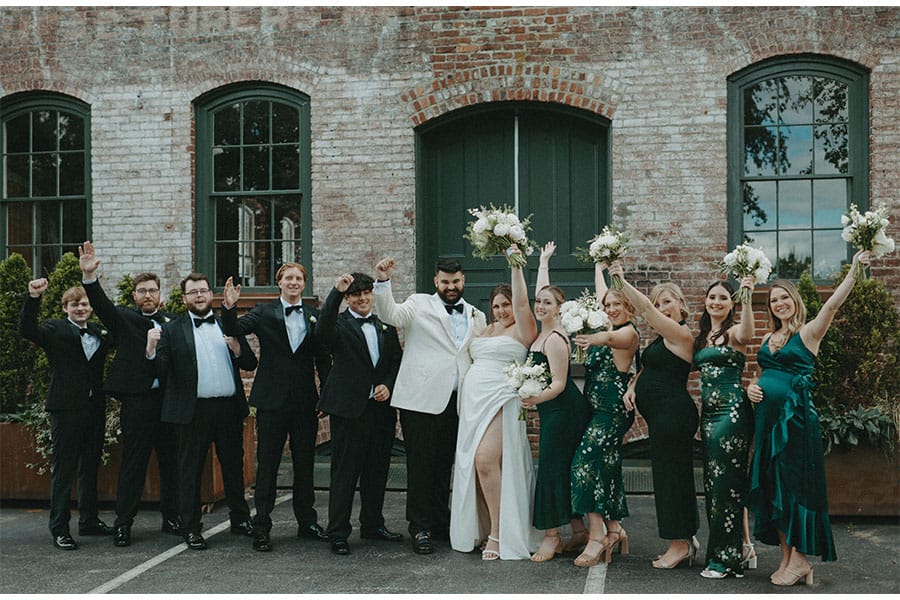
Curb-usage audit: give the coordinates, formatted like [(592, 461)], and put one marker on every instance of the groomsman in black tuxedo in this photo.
[(76, 351), (131, 380), (284, 394), (366, 355), (204, 397)]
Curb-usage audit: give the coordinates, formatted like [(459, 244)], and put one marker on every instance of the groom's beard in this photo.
[(450, 296)]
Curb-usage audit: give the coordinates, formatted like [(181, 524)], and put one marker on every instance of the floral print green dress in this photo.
[(597, 483), (726, 427)]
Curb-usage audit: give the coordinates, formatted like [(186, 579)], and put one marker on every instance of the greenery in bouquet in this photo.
[(527, 379), (494, 230), (605, 247), (746, 261), (580, 316), (865, 231)]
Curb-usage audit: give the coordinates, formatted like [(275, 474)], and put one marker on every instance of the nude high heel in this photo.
[(749, 561), (587, 560), (540, 557), (789, 577), (621, 542)]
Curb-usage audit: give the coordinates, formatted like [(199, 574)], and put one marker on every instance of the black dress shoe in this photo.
[(242, 528), (340, 546), (123, 536), (98, 527), (172, 526), (382, 533), (261, 541), (312, 531), (64, 542), (195, 541), (422, 543)]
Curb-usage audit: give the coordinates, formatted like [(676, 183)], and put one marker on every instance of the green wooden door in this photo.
[(554, 164)]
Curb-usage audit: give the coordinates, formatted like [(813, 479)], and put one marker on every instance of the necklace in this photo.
[(777, 340)]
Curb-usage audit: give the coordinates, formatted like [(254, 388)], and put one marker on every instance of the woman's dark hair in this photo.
[(504, 289), (706, 321)]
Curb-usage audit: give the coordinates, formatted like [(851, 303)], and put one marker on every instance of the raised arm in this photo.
[(526, 326), (28, 318), (741, 334), (103, 307), (599, 282), (812, 333), (543, 276), (398, 315)]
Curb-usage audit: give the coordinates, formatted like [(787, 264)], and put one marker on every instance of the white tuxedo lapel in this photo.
[(438, 307)]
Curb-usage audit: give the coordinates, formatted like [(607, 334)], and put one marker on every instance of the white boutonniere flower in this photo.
[(383, 327), (312, 319), (166, 319), (103, 333)]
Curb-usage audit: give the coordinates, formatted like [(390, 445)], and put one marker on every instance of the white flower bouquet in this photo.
[(582, 315), (866, 232), (607, 246), (743, 261), (528, 379), (495, 230)]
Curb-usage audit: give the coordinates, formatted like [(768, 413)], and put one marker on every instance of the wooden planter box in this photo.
[(18, 482), (863, 481)]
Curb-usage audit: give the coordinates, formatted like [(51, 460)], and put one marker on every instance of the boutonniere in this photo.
[(383, 327), (473, 312), (166, 319), (312, 318)]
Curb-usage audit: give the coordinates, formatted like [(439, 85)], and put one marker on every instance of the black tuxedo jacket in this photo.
[(346, 390), (176, 365), (74, 380), (130, 372), (282, 374)]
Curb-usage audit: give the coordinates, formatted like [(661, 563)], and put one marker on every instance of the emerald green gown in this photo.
[(597, 483), (787, 474), (726, 427)]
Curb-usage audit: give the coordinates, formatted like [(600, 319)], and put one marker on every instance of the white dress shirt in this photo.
[(295, 325), (215, 373)]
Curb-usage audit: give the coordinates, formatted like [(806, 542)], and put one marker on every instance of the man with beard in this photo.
[(438, 328), (204, 397), (131, 380)]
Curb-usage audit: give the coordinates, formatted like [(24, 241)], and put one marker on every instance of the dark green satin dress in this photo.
[(787, 474), (726, 427), (671, 415), (597, 483)]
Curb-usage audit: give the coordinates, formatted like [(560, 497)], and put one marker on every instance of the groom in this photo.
[(438, 328)]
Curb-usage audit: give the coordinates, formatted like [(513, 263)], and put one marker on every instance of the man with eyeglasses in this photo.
[(130, 379), (204, 398)]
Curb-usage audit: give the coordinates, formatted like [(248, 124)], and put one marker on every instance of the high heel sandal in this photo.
[(541, 557), (587, 560), (691, 554), (577, 542), (749, 561), (490, 554), (790, 577), (621, 542)]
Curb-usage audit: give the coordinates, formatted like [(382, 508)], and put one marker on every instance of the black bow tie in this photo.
[(289, 309), (364, 320), (209, 319), (457, 307), (156, 317), (84, 331)]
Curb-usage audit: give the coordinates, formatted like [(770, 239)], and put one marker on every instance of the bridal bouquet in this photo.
[(607, 246), (582, 315), (495, 230), (744, 261), (528, 379), (866, 232)]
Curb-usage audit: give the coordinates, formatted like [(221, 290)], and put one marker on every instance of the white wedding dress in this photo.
[(483, 393)]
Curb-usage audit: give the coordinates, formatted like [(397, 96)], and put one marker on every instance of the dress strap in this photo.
[(557, 332)]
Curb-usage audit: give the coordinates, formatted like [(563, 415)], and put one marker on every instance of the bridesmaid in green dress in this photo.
[(598, 489), (726, 427), (672, 418), (787, 475), (563, 412)]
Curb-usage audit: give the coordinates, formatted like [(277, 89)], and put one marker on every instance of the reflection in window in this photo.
[(44, 178)]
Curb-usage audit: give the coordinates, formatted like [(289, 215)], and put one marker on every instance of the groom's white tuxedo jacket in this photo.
[(431, 364)]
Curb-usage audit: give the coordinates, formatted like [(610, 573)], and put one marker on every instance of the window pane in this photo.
[(48, 219), (24, 251), (227, 218), (762, 151), (832, 149), (226, 262), (796, 100), (285, 123), (759, 205), (766, 241), (44, 130), (254, 219), (794, 253), (797, 142), (761, 103), (226, 169), (20, 223), (794, 204), (831, 100), (227, 126), (47, 257), (285, 168), (256, 168), (17, 133), (71, 132), (829, 202), (43, 174), (830, 252), (17, 176), (71, 174), (74, 221), (256, 122)]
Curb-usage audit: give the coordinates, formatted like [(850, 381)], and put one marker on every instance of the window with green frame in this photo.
[(45, 177), (798, 131), (253, 183)]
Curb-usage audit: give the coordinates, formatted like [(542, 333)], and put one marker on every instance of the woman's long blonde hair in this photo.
[(795, 322), (676, 292)]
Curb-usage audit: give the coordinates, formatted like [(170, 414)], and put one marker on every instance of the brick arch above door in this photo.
[(581, 89)]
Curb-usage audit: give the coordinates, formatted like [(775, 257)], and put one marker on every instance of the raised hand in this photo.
[(616, 268), (87, 260), (37, 287), (343, 282), (231, 293), (384, 269), (547, 251)]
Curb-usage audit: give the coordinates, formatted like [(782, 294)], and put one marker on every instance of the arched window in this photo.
[(46, 188), (253, 156), (798, 157)]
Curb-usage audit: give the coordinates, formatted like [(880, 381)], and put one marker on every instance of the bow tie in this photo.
[(83, 331), (457, 307), (289, 309), (364, 320), (155, 317), (209, 319)]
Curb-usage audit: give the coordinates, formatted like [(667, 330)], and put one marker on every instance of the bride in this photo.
[(493, 475)]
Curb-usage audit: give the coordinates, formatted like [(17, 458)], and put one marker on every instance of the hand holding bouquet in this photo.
[(605, 247), (866, 232), (746, 261), (495, 230), (580, 316), (528, 379)]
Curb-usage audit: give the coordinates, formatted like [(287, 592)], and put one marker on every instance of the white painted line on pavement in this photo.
[(596, 579), (145, 566)]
